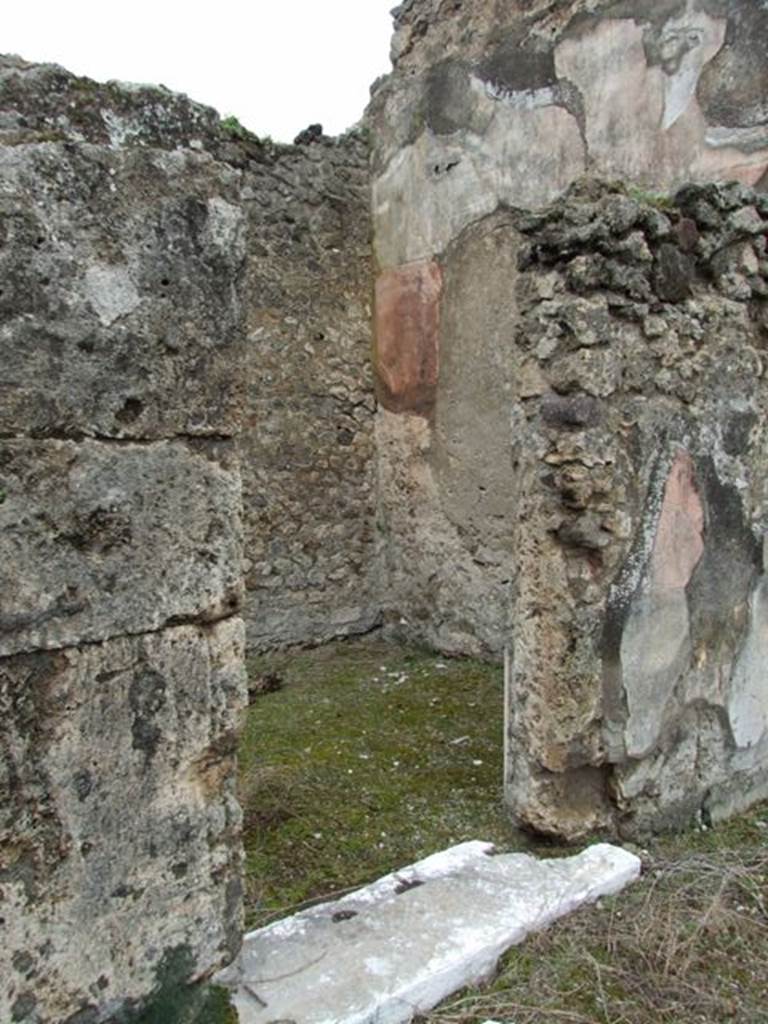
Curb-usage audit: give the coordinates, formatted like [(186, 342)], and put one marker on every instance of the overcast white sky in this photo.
[(277, 65)]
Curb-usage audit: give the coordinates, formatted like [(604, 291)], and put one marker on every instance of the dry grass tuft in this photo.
[(687, 945)]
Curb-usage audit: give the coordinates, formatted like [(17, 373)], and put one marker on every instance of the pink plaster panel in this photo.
[(679, 542)]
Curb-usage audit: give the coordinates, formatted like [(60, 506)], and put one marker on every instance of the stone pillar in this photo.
[(559, 460), (121, 643), (636, 698)]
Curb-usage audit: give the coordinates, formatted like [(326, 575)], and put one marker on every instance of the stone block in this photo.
[(394, 949), (119, 827), (119, 310), (121, 653), (99, 539)]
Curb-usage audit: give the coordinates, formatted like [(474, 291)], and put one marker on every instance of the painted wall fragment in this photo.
[(624, 336), (407, 333), (538, 101), (656, 644)]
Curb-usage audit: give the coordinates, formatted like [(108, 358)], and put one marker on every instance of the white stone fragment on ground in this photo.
[(403, 944)]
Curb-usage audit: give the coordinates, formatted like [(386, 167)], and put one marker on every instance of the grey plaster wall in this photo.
[(447, 482), (510, 103)]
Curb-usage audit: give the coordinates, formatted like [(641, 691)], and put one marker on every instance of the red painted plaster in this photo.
[(407, 336)]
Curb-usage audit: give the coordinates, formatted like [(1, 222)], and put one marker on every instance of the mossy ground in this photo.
[(371, 756)]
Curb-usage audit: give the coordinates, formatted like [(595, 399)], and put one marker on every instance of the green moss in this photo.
[(233, 128), (660, 202), (175, 1001), (216, 1008), (87, 85)]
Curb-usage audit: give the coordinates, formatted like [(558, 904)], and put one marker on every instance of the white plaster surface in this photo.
[(400, 946), (529, 153), (748, 704), (655, 649)]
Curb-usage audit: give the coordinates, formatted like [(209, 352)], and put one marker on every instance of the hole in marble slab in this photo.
[(343, 915)]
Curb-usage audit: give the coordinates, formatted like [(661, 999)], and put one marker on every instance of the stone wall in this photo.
[(569, 448), (179, 302), (559, 388), (121, 642), (308, 446)]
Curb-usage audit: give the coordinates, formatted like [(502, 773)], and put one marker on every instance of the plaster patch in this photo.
[(225, 229), (748, 704), (121, 130), (679, 542), (669, 140), (655, 648), (687, 43), (110, 291), (407, 332), (529, 153), (655, 645)]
